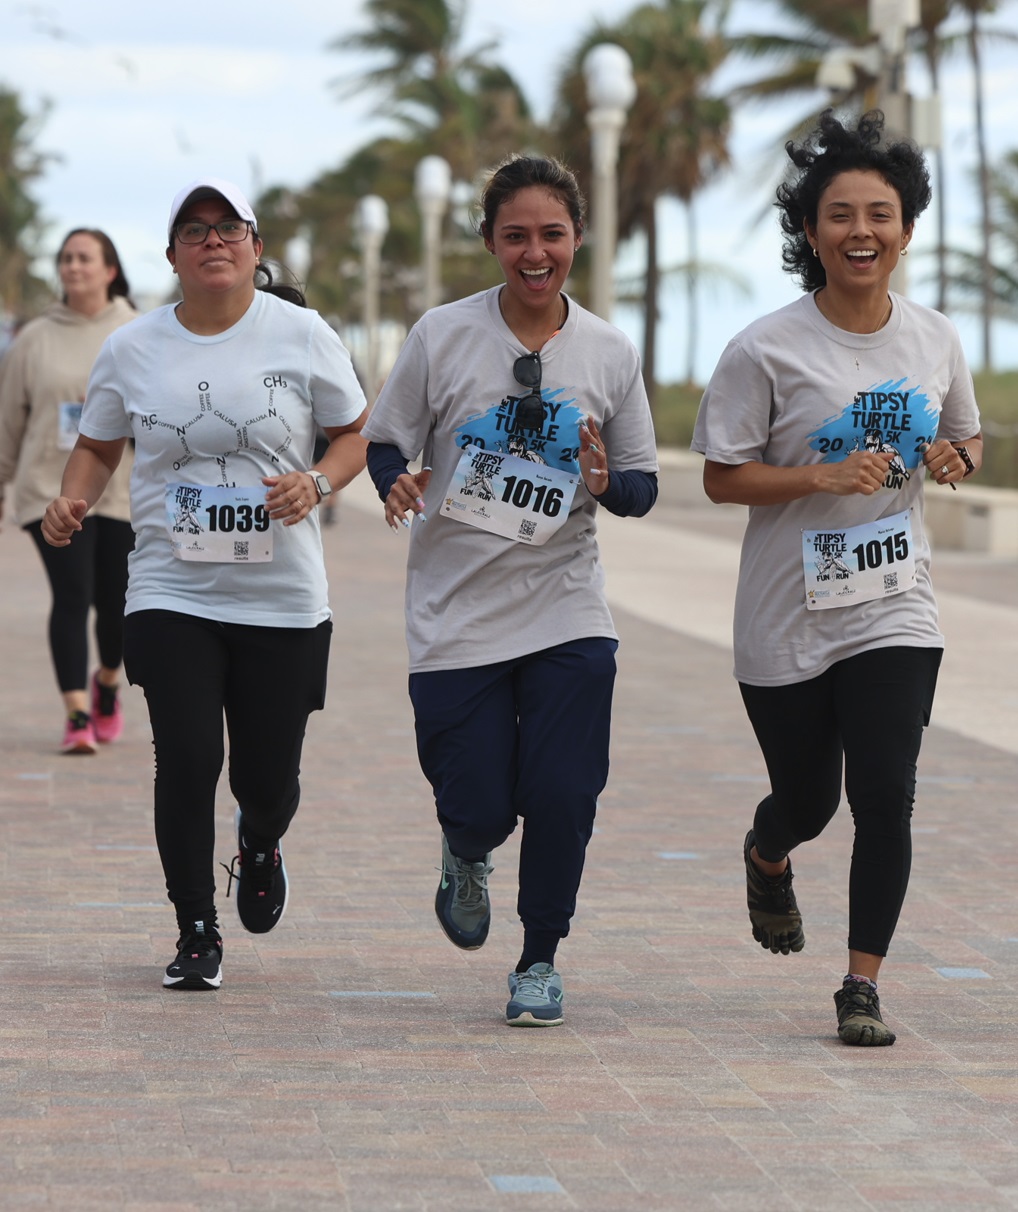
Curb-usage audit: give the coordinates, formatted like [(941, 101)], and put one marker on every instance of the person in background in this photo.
[(227, 602), (42, 385), (531, 415), (824, 418)]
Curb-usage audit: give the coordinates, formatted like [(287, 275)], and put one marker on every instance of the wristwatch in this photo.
[(966, 459), (321, 483)]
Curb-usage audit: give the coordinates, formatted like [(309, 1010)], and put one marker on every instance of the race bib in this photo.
[(860, 564), (501, 493), (68, 416), (218, 525)]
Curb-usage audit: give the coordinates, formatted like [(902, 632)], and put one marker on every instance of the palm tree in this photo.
[(467, 108), (676, 136), (20, 219), (970, 277), (973, 10)]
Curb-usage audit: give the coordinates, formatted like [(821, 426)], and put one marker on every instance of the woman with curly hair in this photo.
[(823, 417)]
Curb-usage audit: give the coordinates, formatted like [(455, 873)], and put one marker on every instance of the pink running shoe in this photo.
[(107, 716), (79, 735)]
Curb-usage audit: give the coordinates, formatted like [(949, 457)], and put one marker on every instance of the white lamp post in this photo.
[(890, 20), (432, 186), (611, 90), (372, 222)]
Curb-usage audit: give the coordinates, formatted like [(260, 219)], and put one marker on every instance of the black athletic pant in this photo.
[(266, 681), (91, 571), (870, 709)]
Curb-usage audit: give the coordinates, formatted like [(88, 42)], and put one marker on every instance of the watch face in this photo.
[(324, 487)]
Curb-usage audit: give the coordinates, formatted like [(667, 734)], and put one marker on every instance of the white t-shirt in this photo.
[(472, 597), (223, 410), (792, 389)]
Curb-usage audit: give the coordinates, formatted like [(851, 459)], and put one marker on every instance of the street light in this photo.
[(372, 222), (432, 185), (611, 90), (890, 20)]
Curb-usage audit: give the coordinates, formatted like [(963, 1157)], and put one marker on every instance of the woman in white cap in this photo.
[(227, 603), (42, 385)]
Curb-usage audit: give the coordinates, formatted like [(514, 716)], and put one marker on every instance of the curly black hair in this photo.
[(834, 148)]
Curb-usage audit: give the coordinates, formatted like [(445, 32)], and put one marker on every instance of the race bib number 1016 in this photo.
[(520, 500)]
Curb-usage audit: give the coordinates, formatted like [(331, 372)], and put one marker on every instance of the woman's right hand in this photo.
[(863, 471), (61, 519), (407, 494)]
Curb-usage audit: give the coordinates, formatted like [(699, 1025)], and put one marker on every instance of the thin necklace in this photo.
[(883, 320)]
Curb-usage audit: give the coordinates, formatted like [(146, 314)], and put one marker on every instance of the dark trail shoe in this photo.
[(859, 1020), (776, 920)]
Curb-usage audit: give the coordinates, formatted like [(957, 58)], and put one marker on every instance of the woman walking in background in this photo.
[(823, 418), (42, 385)]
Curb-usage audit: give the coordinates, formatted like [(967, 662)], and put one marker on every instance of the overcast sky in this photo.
[(146, 96)]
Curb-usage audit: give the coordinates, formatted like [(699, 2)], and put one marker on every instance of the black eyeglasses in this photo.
[(231, 231), (530, 410)]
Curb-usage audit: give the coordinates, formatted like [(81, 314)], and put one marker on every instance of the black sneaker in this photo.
[(199, 961), (859, 1020), (461, 902), (262, 887), (776, 920)]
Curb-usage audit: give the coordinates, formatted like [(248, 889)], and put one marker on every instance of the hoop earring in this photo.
[(815, 253)]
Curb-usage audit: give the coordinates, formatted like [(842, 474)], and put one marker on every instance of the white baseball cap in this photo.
[(210, 187)]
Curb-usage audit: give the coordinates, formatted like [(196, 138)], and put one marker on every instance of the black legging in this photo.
[(266, 681), (871, 708), (90, 571)]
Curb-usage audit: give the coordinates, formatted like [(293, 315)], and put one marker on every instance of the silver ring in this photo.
[(943, 470)]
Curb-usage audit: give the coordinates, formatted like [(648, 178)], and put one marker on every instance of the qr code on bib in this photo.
[(527, 529), (890, 581), (240, 550)]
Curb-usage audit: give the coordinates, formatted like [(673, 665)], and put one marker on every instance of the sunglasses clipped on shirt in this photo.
[(531, 413), (230, 231)]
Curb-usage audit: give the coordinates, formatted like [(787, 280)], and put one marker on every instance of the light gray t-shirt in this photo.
[(223, 410), (474, 598), (792, 389)]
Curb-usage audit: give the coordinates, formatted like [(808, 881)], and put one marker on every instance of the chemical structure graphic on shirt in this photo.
[(222, 435), (888, 418), (556, 443)]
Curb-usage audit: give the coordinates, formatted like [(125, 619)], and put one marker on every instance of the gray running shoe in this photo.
[(461, 902), (859, 1020), (535, 997), (773, 912)]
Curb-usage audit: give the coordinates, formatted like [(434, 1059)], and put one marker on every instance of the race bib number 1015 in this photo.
[(858, 564)]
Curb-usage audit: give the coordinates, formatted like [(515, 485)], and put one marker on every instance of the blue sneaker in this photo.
[(461, 902), (535, 997)]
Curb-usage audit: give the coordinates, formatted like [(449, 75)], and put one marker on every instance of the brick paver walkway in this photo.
[(354, 1060)]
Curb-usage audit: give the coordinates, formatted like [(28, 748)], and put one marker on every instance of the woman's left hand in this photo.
[(593, 458), (291, 497), (943, 462)]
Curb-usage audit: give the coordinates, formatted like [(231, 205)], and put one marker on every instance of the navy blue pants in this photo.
[(522, 739), (265, 681), (91, 571), (870, 710)]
